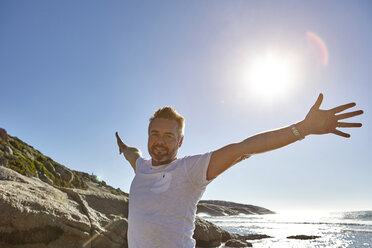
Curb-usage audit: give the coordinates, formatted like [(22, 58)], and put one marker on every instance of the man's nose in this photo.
[(160, 140)]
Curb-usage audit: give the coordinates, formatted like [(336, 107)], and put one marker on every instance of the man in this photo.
[(165, 190)]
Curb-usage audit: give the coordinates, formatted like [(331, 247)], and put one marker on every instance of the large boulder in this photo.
[(36, 214), (65, 173), (208, 234), (237, 243)]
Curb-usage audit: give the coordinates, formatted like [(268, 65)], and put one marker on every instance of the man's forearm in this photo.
[(132, 154), (272, 140)]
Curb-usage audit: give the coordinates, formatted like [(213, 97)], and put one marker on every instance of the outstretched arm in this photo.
[(317, 121), (130, 153)]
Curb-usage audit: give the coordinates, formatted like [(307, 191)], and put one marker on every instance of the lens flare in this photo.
[(317, 48), (98, 179)]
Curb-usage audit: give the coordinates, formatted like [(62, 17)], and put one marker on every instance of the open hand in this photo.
[(320, 121)]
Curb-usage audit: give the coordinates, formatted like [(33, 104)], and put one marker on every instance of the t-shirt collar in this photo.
[(160, 166)]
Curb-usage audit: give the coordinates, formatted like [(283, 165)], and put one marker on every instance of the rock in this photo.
[(225, 236), (214, 210), (9, 150), (49, 166), (35, 214), (237, 243), (250, 236), (207, 234), (28, 206), (303, 237), (3, 161), (28, 154), (45, 178), (222, 208), (4, 135), (66, 174)]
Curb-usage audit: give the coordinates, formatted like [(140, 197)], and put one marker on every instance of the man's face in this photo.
[(164, 141)]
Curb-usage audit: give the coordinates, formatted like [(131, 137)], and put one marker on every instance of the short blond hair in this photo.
[(169, 113)]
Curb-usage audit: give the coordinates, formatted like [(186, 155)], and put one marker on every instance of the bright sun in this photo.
[(271, 76)]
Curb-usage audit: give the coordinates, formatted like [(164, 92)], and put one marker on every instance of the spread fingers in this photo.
[(347, 124), (348, 115)]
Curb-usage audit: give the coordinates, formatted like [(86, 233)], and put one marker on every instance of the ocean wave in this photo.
[(307, 223), (203, 215), (357, 230), (358, 215)]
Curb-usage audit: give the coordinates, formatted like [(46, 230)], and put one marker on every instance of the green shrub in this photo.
[(39, 157), (16, 144)]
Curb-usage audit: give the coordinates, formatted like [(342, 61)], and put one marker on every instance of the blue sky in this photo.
[(74, 72)]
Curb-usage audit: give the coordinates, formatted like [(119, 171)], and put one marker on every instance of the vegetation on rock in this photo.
[(30, 162)]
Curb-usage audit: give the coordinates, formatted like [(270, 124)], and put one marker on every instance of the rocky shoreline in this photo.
[(43, 204), (223, 208)]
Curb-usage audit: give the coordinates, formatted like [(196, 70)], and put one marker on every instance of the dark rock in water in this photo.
[(207, 234), (250, 236), (222, 208), (237, 243), (303, 237), (226, 236)]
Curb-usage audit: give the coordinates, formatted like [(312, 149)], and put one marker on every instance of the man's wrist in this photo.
[(302, 128)]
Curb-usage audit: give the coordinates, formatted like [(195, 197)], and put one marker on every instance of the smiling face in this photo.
[(164, 141)]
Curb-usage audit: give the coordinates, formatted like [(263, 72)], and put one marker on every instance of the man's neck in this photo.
[(158, 163)]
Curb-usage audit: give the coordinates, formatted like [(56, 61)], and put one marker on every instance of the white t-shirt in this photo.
[(162, 202)]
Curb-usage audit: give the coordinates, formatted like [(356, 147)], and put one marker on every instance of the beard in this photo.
[(160, 154)]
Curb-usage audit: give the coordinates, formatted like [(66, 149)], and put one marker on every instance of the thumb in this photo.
[(119, 142), (318, 102), (118, 138)]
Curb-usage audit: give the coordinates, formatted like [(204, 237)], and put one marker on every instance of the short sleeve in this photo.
[(140, 163), (196, 169)]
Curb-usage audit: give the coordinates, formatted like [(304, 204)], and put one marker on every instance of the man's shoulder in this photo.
[(195, 158), (142, 162)]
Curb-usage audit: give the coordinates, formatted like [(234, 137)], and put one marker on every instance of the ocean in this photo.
[(336, 229)]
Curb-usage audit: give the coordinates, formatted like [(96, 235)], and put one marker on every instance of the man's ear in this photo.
[(180, 142)]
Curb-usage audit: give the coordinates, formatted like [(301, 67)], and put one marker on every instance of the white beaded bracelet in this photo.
[(296, 132)]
